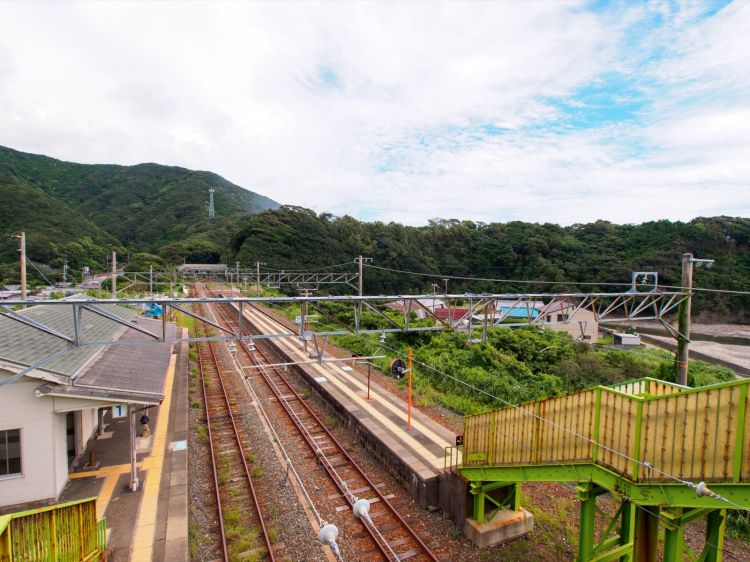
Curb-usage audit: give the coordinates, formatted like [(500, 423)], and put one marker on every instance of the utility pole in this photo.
[(683, 342), (65, 271), (360, 260), (237, 267), (257, 278), (114, 274), (151, 280), (22, 250)]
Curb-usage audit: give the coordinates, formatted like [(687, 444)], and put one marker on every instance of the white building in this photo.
[(50, 412), (580, 323)]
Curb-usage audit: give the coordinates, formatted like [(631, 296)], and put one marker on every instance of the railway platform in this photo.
[(414, 457), (152, 522)]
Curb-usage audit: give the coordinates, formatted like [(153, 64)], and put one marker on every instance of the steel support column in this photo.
[(646, 534)]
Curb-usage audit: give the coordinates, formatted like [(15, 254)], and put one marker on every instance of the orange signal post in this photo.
[(408, 411)]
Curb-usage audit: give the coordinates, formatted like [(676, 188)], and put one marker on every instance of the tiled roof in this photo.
[(131, 368), (24, 345)]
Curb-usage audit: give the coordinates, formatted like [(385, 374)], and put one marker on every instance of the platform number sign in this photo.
[(398, 368), (119, 411)]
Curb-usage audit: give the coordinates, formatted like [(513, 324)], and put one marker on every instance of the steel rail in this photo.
[(225, 551), (241, 449), (330, 470)]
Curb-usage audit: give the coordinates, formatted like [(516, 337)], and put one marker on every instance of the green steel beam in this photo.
[(652, 493), (587, 523)]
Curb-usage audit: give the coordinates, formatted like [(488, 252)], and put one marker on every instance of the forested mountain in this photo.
[(601, 252), (81, 212)]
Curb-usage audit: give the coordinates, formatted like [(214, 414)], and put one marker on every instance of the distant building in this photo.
[(48, 415), (421, 308), (627, 340), (580, 323), (202, 268)]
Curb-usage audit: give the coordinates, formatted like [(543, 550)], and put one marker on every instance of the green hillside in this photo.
[(602, 252), (144, 208)]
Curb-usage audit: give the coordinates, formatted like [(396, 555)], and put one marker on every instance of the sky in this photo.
[(563, 112)]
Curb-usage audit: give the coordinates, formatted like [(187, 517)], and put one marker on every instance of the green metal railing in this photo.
[(66, 532)]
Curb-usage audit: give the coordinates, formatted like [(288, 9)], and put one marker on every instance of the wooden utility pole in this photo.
[(22, 239), (114, 274), (360, 259), (683, 342)]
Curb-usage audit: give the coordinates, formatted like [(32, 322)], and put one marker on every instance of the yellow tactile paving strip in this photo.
[(143, 543), (111, 475)]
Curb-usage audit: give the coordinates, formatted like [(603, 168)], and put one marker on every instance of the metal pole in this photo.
[(23, 266), (359, 259), (257, 278), (133, 465), (683, 343), (368, 381), (151, 280), (114, 274), (237, 275), (408, 410)]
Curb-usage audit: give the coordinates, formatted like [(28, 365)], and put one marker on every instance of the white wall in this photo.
[(42, 438)]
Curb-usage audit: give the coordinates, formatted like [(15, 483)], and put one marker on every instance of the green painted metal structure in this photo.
[(647, 443), (67, 532)]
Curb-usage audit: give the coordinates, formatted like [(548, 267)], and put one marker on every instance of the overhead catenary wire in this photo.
[(495, 280), (308, 269), (545, 282)]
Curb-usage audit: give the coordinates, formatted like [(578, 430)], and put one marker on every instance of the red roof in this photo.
[(450, 313)]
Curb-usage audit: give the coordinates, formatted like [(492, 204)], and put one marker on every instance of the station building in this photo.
[(50, 412)]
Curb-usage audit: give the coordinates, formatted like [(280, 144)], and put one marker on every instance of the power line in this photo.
[(493, 280), (706, 290), (40, 272), (306, 270)]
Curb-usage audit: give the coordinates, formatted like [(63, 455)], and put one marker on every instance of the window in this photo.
[(10, 452), (562, 317)]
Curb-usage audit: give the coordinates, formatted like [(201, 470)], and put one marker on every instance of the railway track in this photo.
[(387, 535), (242, 527)]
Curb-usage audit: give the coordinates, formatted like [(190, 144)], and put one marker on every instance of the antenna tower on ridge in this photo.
[(211, 212)]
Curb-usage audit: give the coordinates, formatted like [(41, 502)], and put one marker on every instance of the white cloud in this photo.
[(375, 109)]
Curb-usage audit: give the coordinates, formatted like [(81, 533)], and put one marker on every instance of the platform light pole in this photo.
[(408, 407), (683, 342)]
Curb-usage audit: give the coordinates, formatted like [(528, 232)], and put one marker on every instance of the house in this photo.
[(421, 308), (580, 323), (55, 405), (454, 315)]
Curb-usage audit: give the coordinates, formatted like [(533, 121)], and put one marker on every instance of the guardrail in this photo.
[(643, 430), (66, 532)]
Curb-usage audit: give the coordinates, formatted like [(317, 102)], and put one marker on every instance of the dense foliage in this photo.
[(81, 212), (601, 252), (519, 365)]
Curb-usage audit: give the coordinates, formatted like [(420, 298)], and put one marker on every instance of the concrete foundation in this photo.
[(455, 499), (504, 526)]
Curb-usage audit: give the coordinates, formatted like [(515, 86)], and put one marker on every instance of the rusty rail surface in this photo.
[(225, 440), (392, 532)]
